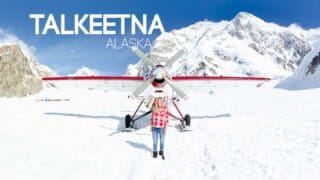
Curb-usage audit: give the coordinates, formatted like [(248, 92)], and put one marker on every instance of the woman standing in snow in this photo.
[(159, 122)]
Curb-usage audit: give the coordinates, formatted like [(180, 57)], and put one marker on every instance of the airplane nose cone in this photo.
[(159, 75)]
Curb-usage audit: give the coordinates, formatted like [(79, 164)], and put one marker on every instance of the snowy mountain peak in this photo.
[(243, 46), (245, 15), (247, 25), (246, 18)]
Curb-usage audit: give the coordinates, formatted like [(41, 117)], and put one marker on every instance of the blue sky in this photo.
[(67, 53)]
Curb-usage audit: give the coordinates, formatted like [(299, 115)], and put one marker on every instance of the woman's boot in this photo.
[(161, 153), (155, 154)]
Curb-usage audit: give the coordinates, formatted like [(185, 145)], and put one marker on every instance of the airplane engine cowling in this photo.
[(158, 83)]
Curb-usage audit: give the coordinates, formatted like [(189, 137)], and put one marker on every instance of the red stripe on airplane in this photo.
[(139, 78), (136, 78), (177, 78)]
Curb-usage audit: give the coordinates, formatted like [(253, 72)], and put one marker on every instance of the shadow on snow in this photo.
[(211, 117), (84, 116), (139, 146)]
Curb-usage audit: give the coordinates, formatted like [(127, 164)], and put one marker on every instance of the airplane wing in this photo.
[(131, 83), (140, 78)]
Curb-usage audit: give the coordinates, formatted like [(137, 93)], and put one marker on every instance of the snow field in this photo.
[(238, 133)]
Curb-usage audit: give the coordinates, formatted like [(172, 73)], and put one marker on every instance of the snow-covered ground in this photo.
[(238, 133)]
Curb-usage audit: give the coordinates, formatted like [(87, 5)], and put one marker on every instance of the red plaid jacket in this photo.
[(160, 118)]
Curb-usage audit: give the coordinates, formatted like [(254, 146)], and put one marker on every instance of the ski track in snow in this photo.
[(240, 133)]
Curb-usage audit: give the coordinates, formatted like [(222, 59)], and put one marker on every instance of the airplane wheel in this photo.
[(128, 120), (187, 119)]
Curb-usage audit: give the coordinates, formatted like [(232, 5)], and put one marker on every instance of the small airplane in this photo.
[(159, 79)]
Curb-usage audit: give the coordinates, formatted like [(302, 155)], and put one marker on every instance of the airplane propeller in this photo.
[(176, 89), (143, 57), (175, 57), (142, 87), (158, 73)]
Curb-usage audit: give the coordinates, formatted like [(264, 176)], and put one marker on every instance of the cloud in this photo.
[(85, 71)]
